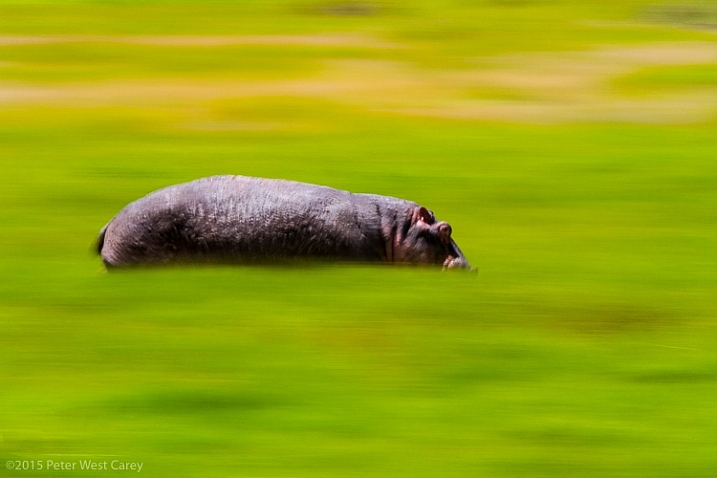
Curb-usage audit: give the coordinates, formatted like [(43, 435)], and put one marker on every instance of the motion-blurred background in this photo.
[(571, 145)]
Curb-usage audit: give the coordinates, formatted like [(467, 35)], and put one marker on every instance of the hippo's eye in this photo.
[(444, 232)]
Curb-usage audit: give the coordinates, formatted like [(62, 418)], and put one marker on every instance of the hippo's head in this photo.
[(425, 240)]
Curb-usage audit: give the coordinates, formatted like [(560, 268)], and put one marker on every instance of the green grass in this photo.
[(585, 345), (668, 79)]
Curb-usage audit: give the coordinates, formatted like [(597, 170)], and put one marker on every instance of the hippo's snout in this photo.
[(456, 259)]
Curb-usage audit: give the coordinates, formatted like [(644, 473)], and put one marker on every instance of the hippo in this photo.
[(240, 219)]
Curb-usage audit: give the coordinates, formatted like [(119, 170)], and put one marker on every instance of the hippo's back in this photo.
[(228, 218)]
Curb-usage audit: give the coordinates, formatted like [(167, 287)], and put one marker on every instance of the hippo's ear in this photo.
[(424, 215)]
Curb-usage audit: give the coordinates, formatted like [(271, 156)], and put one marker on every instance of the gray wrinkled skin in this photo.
[(242, 219)]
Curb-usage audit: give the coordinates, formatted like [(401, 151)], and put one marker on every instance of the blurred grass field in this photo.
[(571, 145)]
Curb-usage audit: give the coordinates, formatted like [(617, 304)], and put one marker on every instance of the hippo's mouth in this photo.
[(452, 262)]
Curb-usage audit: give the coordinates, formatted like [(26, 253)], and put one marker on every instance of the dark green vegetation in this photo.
[(585, 346)]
